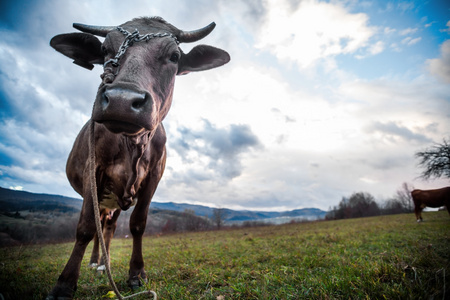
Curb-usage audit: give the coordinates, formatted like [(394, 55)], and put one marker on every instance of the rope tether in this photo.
[(98, 225)]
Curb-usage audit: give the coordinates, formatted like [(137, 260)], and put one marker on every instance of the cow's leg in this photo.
[(418, 211), (109, 227), (138, 221), (95, 257), (67, 281)]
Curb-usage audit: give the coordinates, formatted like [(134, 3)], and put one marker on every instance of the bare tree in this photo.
[(218, 217), (392, 206), (435, 160), (403, 196)]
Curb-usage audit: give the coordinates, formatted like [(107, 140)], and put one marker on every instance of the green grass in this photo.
[(388, 257)]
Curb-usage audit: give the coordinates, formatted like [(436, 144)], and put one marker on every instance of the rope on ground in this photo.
[(98, 225)]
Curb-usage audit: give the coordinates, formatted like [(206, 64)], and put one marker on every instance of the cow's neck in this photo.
[(137, 146)]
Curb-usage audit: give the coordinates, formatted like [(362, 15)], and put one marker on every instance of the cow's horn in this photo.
[(96, 30), (195, 35)]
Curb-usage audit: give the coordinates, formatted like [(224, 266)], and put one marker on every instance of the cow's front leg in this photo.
[(67, 281), (138, 221)]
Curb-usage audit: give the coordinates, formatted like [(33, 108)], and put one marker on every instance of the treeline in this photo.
[(363, 204), (165, 222), (32, 227), (37, 227)]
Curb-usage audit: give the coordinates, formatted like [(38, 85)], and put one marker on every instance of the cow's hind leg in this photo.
[(109, 227), (95, 255)]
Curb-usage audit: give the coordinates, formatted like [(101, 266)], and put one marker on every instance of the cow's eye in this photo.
[(174, 57)]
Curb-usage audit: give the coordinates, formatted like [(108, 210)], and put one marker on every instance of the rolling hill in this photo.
[(12, 201)]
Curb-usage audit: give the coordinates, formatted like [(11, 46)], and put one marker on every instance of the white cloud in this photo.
[(388, 30), (374, 49), (308, 137), (377, 48), (405, 5), (16, 188), (36, 177), (409, 41), (393, 101), (408, 31), (446, 29), (440, 67), (314, 31)]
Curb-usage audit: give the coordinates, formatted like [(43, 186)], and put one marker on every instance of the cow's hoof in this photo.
[(136, 282), (92, 266), (50, 297), (61, 292), (101, 270)]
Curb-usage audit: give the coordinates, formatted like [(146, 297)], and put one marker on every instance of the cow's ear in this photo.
[(202, 58), (84, 48)]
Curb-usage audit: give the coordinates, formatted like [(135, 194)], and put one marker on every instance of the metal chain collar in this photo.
[(130, 39)]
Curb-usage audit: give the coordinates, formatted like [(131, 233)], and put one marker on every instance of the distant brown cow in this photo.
[(140, 60), (430, 198)]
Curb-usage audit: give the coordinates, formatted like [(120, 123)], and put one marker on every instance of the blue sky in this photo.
[(321, 98)]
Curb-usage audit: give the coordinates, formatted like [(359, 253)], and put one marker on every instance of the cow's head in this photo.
[(140, 60)]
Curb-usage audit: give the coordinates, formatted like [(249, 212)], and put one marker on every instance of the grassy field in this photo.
[(388, 257)]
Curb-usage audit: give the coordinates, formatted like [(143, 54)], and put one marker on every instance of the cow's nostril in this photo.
[(139, 101), (105, 100)]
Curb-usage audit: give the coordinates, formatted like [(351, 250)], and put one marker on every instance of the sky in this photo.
[(321, 99)]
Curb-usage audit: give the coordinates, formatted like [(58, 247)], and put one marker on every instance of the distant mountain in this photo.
[(243, 215), (12, 201)]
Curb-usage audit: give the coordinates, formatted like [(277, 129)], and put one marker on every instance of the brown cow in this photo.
[(140, 60), (430, 198)]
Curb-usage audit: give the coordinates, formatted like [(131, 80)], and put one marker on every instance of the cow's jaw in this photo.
[(120, 127)]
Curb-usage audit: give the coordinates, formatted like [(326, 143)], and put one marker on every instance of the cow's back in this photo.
[(432, 198)]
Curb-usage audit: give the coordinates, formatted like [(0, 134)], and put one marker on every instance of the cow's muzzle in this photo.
[(123, 110)]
